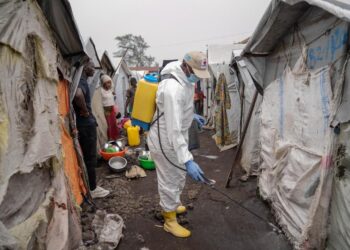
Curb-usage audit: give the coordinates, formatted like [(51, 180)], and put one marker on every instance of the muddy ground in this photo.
[(215, 221)]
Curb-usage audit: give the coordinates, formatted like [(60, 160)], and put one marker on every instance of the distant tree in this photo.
[(135, 48)]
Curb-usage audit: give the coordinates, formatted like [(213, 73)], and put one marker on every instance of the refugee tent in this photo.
[(41, 182), (107, 64), (249, 159), (223, 104), (95, 94), (121, 80), (299, 55), (91, 51)]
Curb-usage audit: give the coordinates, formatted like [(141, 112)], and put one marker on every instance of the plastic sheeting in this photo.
[(121, 79), (93, 81), (34, 193), (71, 165), (92, 53), (339, 8), (296, 157), (60, 18), (250, 156), (107, 64), (278, 22), (28, 97), (64, 229), (339, 227), (299, 146)]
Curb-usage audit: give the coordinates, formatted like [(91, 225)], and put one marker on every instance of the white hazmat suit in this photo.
[(174, 100)]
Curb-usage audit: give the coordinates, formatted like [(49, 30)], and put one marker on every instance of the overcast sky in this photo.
[(171, 28)]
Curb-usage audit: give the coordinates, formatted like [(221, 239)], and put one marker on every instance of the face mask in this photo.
[(193, 78)]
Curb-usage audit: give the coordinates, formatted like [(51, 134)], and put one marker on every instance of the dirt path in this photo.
[(215, 221)]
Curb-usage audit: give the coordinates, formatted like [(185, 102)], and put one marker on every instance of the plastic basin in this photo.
[(107, 156), (147, 164)]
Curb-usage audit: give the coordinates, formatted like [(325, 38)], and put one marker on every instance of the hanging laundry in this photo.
[(223, 101)]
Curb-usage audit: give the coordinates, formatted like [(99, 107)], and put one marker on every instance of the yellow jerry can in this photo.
[(133, 133)]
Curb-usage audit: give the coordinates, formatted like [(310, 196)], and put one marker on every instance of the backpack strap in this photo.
[(168, 76), (156, 119), (161, 78)]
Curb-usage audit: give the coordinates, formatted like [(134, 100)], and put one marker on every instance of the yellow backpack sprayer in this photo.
[(145, 102)]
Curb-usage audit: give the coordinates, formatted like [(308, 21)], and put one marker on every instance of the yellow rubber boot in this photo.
[(181, 209), (171, 225)]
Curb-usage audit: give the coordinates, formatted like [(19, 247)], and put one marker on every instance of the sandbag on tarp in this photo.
[(296, 147)]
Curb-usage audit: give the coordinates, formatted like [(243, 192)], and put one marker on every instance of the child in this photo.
[(109, 107)]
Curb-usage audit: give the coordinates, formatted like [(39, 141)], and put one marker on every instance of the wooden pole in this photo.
[(239, 148)]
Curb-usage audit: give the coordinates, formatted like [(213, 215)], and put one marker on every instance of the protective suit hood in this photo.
[(174, 68)]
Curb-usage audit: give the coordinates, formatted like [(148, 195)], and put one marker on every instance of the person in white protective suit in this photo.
[(174, 117)]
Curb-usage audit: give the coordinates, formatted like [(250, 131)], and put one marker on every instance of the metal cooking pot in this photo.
[(117, 164)]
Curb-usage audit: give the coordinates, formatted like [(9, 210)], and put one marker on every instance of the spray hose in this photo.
[(211, 183), (161, 147)]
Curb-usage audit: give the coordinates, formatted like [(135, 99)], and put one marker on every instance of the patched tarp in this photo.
[(59, 15), (36, 208), (295, 155), (338, 237), (303, 110), (250, 153), (339, 226), (72, 168)]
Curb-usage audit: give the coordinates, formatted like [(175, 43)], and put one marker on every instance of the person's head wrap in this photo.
[(105, 78)]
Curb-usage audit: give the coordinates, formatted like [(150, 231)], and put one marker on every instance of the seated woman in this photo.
[(110, 108)]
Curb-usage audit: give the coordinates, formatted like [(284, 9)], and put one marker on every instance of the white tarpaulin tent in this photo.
[(219, 59), (91, 51), (39, 43), (95, 93), (121, 79), (299, 55), (250, 153)]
